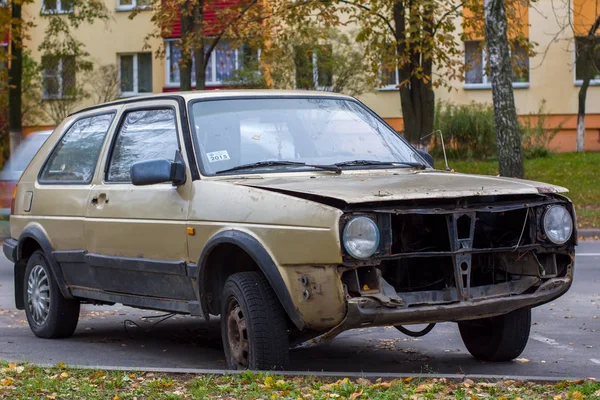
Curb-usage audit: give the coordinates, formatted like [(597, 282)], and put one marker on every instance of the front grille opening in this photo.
[(419, 274), (416, 233), (502, 229), (463, 227)]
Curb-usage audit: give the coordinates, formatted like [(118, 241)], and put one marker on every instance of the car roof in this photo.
[(220, 94)]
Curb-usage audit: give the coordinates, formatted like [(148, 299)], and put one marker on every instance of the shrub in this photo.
[(469, 130), (536, 137)]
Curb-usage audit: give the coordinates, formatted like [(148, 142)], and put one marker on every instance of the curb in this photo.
[(335, 375), (589, 233)]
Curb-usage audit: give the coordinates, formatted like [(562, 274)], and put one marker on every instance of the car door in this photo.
[(136, 235)]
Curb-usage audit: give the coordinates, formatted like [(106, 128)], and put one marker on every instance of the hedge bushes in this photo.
[(470, 132)]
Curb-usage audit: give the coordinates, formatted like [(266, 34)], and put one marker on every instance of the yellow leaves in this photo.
[(51, 396), (355, 395), (61, 365), (269, 381), (13, 367), (577, 395), (7, 382), (425, 387), (64, 375), (131, 376), (407, 380), (116, 397), (366, 287), (97, 375), (384, 385)]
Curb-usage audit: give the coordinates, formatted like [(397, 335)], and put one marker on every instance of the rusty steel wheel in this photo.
[(253, 324), (237, 334)]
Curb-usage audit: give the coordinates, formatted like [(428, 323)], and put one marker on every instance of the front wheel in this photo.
[(48, 313), (500, 338), (253, 324)]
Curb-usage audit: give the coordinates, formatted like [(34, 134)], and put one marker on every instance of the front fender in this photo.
[(264, 261)]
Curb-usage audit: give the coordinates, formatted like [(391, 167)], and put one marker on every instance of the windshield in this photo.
[(236, 132), (22, 156)]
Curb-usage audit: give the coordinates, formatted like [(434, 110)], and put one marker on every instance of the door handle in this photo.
[(100, 199)]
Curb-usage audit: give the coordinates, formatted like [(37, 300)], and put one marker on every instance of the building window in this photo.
[(135, 73), (579, 63), (58, 77), (314, 67), (131, 4), (222, 64), (57, 6), (477, 61)]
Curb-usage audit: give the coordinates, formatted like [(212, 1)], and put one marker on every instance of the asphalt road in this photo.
[(564, 341)]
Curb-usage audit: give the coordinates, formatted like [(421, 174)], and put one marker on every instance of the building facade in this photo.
[(551, 75)]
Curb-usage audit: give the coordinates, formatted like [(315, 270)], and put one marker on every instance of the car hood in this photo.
[(355, 188)]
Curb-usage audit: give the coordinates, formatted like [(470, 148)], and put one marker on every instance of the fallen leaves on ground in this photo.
[(61, 382)]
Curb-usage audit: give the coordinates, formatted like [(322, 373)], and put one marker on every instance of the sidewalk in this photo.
[(589, 233)]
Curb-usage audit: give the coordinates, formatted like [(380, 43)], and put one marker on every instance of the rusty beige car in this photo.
[(291, 215)]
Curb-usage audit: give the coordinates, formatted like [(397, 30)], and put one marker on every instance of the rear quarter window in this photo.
[(74, 158)]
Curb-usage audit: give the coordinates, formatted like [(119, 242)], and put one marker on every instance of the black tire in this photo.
[(62, 314), (500, 338), (253, 324)]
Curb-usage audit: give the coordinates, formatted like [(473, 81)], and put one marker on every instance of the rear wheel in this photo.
[(500, 338), (253, 324), (48, 313)]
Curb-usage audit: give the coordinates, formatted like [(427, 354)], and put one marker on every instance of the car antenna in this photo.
[(443, 146)]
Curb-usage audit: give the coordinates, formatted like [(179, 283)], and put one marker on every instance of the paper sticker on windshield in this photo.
[(218, 156)]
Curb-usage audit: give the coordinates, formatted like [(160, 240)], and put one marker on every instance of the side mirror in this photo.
[(158, 171), (426, 156)]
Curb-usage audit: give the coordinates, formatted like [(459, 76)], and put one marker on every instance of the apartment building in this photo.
[(551, 76)]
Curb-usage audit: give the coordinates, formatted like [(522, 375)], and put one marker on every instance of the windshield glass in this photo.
[(235, 132)]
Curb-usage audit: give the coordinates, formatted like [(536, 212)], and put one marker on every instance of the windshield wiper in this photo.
[(276, 163), (376, 162)]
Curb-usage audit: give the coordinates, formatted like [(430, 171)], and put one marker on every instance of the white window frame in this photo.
[(391, 86), (579, 82), (211, 80), (136, 89), (133, 5), (486, 84), (59, 9), (59, 75)]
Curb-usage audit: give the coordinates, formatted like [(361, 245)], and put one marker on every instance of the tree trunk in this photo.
[(185, 62), (585, 57), (417, 97), (200, 57), (510, 154), (15, 74), (580, 145)]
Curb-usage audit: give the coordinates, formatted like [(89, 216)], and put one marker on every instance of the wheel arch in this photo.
[(227, 243), (31, 239)]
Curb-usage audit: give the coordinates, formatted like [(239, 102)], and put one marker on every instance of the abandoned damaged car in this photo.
[(289, 214)]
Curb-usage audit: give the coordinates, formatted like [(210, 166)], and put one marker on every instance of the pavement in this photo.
[(564, 341)]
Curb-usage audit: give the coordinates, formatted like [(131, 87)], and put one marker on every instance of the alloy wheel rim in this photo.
[(38, 295), (237, 334)]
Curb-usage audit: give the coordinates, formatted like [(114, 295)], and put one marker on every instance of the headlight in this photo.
[(361, 237), (558, 224)]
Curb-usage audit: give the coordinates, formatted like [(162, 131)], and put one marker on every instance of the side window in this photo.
[(74, 159), (144, 135)]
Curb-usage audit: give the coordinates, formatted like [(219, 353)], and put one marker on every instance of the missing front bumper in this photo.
[(365, 311)]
